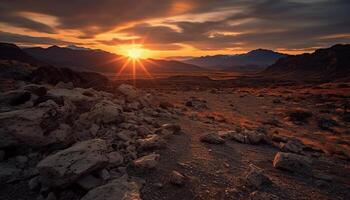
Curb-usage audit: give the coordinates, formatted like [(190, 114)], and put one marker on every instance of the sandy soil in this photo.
[(215, 171)]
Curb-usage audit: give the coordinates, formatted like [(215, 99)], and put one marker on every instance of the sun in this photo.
[(135, 53)]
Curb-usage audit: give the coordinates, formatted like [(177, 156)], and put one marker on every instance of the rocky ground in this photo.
[(67, 143)]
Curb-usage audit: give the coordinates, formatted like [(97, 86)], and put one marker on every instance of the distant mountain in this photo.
[(323, 65), (16, 64), (254, 60), (12, 52), (100, 61)]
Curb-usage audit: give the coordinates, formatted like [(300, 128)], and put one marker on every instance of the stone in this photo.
[(167, 130), (34, 183), (104, 174), (129, 91), (165, 105), (7, 140), (116, 190), (21, 160), (89, 182), (8, 172), (151, 141), (212, 138), (256, 177), (115, 159), (147, 162), (63, 85), (66, 166), (51, 196), (177, 178), (103, 112), (14, 98), (257, 195), (2, 155), (292, 162), (75, 95), (248, 137), (293, 146)]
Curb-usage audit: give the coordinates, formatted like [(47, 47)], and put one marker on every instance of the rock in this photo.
[(147, 162), (7, 140), (2, 155), (151, 141), (34, 183), (8, 172), (166, 130), (63, 85), (256, 177), (51, 196), (115, 159), (292, 162), (104, 174), (75, 95), (166, 105), (212, 138), (14, 98), (176, 178), (257, 195), (248, 137), (129, 91), (21, 160), (103, 112), (116, 190), (66, 166), (34, 126), (326, 123), (89, 182), (293, 146), (196, 104), (38, 90)]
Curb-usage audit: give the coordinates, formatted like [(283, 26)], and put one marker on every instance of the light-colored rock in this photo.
[(89, 182), (75, 95), (115, 159), (151, 141), (63, 85), (68, 165), (147, 162), (129, 91), (248, 137), (116, 190), (103, 112), (212, 138), (177, 178), (34, 126), (167, 130), (292, 162)]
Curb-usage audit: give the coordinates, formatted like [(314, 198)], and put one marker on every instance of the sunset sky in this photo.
[(171, 28)]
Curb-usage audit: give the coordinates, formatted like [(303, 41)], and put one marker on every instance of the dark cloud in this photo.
[(259, 23), (24, 39)]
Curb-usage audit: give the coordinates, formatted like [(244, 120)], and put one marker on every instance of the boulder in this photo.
[(292, 162), (177, 178), (89, 182), (167, 130), (293, 146), (66, 166), (129, 91), (151, 141), (212, 138), (147, 162), (14, 98), (115, 159), (103, 112), (35, 126), (248, 137), (256, 177), (116, 190), (76, 95)]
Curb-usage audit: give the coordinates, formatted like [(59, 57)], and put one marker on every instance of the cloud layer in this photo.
[(170, 25)]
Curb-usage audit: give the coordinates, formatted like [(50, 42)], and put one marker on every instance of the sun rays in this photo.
[(134, 61)]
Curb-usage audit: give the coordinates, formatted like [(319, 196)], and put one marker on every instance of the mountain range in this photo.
[(81, 59), (255, 60), (324, 64)]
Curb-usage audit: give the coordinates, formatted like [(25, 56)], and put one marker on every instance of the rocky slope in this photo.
[(322, 65)]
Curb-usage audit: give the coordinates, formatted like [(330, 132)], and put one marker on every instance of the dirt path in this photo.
[(216, 171)]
